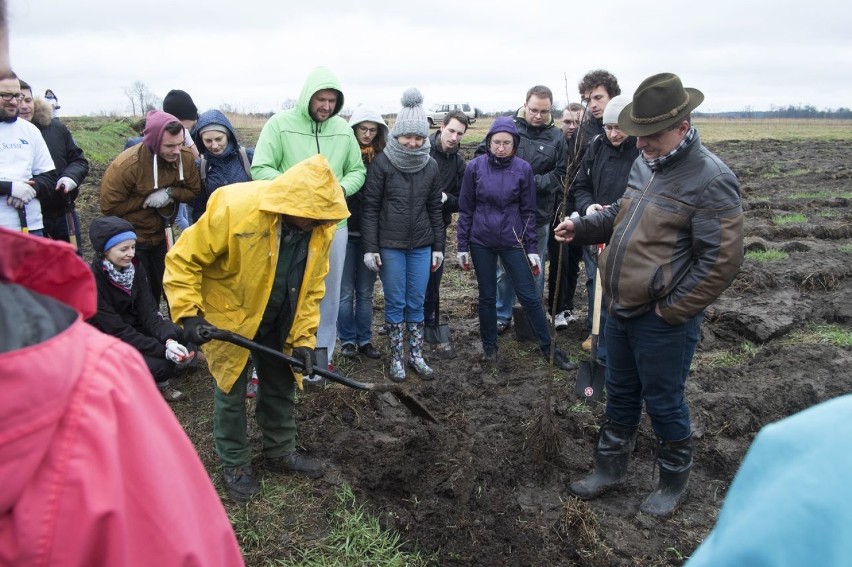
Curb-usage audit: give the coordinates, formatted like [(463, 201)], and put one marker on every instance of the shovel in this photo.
[(413, 404), (591, 376), (439, 334)]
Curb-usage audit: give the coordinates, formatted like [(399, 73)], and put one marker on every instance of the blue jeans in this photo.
[(355, 316), (520, 277), (330, 302), (649, 360), (405, 274), (591, 263), (505, 293)]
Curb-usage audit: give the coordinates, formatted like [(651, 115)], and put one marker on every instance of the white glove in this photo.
[(177, 353), (66, 184), (463, 259), (373, 261), (535, 263), (15, 203), (443, 197), (437, 260), (22, 191), (157, 199), (593, 208)]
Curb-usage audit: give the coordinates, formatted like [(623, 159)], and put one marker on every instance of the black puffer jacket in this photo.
[(603, 176), (451, 168), (401, 210), (132, 317), (67, 157)]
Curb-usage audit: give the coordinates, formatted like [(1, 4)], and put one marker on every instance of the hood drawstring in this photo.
[(157, 175)]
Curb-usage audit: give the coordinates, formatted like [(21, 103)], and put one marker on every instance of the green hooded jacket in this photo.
[(292, 135)]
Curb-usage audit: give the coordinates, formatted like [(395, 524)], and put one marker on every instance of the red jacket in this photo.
[(95, 468)]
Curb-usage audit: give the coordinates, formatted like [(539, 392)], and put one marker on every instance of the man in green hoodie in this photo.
[(314, 127)]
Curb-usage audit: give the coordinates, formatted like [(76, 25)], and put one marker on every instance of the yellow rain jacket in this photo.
[(223, 266)]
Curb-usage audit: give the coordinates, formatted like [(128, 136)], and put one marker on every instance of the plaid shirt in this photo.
[(657, 164)]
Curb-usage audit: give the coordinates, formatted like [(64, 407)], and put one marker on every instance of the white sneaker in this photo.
[(569, 316), (561, 322)]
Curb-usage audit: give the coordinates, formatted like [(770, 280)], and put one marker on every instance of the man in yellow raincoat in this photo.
[(254, 264)]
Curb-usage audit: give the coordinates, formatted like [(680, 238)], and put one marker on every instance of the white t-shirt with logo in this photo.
[(23, 155)]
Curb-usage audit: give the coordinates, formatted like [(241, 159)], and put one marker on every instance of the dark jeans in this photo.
[(433, 293), (153, 258), (572, 255), (161, 368), (355, 314), (56, 227), (649, 360), (520, 276), (275, 410)]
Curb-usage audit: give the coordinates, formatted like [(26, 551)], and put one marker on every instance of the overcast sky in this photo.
[(255, 54)]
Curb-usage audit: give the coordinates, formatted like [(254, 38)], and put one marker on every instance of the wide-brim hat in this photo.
[(660, 101)]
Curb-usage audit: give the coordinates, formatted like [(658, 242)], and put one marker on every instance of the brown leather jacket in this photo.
[(129, 180), (675, 237)]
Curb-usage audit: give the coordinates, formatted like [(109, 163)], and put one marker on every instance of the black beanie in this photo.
[(179, 104)]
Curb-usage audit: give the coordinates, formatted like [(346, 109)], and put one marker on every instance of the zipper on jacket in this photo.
[(627, 224)]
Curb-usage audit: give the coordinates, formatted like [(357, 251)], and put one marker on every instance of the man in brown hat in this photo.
[(675, 244)]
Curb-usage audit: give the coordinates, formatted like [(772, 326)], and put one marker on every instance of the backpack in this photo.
[(205, 165)]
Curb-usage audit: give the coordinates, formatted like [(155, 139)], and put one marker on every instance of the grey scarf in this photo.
[(405, 160), (122, 278)]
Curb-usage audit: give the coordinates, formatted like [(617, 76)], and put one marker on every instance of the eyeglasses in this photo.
[(9, 96), (538, 112), (365, 130), (611, 127), (502, 144)]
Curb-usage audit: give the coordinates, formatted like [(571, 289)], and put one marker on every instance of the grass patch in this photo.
[(822, 334), (721, 129), (846, 248), (822, 195), (775, 172), (355, 538), (796, 218), (766, 255), (101, 139), (727, 358)]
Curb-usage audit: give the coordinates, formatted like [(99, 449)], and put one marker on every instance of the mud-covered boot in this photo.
[(675, 461), (612, 454), (397, 368), (415, 344)]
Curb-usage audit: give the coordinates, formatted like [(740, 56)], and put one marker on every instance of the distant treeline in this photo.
[(802, 111)]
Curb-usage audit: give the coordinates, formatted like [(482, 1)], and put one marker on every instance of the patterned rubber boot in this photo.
[(415, 344), (395, 332)]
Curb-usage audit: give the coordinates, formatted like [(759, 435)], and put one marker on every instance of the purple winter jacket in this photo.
[(497, 202)]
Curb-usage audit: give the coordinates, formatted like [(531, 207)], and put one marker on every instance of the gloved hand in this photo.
[(178, 353), (308, 357), (593, 208), (437, 260), (535, 263), (157, 199), (373, 261), (66, 184), (194, 327), (443, 197), (22, 191), (464, 260)]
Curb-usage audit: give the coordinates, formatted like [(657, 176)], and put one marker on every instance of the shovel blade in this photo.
[(439, 334), (591, 379), (414, 405)]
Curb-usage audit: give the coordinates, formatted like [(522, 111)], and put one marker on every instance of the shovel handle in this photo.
[(239, 340)]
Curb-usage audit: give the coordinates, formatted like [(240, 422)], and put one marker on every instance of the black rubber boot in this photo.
[(612, 454), (675, 461)]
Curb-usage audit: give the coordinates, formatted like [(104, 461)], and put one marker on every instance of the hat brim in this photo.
[(631, 128)]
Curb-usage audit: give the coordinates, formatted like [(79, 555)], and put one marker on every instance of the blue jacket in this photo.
[(224, 169), (497, 202), (790, 503)]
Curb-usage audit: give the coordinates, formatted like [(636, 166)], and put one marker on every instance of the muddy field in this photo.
[(470, 490)]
